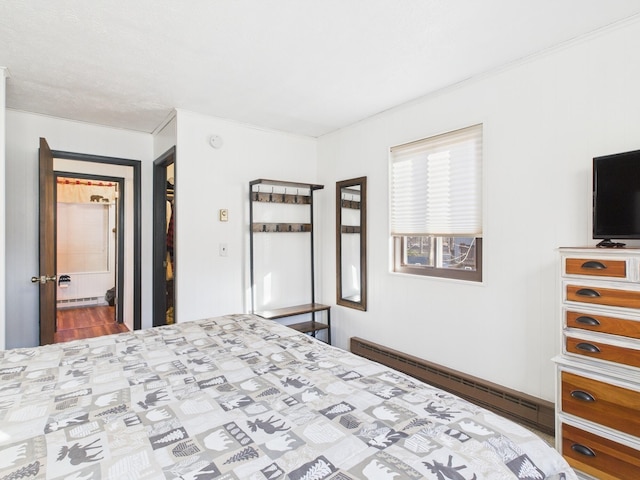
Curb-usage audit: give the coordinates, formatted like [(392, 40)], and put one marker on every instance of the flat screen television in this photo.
[(616, 198)]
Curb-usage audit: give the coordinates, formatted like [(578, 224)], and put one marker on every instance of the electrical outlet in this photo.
[(222, 249), (224, 215)]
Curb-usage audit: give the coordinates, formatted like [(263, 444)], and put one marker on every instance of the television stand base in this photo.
[(607, 243)]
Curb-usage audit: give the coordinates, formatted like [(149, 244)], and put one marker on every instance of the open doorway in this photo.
[(164, 239), (126, 174), (52, 162), (90, 233)]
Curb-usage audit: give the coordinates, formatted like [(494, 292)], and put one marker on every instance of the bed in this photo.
[(240, 397)]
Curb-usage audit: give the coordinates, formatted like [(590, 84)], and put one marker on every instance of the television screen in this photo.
[(616, 196)]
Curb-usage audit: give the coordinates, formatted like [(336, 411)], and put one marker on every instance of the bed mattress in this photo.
[(240, 397)]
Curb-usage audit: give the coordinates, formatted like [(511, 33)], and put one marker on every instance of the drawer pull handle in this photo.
[(587, 292), (583, 396), (587, 347), (587, 321), (593, 265), (581, 449)]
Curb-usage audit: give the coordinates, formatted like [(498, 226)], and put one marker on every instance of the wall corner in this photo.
[(4, 74)]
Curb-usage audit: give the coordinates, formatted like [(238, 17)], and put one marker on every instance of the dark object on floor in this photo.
[(110, 296)]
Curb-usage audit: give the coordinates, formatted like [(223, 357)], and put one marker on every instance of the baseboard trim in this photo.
[(520, 407)]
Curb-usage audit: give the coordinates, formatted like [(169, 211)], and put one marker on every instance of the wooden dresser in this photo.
[(598, 372)]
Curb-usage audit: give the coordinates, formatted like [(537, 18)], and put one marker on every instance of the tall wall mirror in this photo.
[(351, 243)]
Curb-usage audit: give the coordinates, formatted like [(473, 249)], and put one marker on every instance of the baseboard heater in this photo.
[(79, 302), (518, 406)]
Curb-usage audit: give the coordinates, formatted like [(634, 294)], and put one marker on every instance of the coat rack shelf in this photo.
[(350, 229), (294, 194), (281, 227), (352, 204), (295, 199)]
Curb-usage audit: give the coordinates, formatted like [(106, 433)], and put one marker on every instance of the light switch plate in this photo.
[(224, 215)]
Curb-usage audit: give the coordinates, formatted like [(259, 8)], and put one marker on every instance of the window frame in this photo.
[(417, 212), (437, 272)]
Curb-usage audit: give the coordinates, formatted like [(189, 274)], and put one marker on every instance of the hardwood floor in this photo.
[(86, 322)]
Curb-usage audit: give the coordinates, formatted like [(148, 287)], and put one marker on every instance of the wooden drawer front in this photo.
[(603, 296), (596, 268), (603, 351), (604, 324), (599, 456), (602, 403)]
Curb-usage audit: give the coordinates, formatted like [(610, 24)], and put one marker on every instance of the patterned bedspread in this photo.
[(239, 397)]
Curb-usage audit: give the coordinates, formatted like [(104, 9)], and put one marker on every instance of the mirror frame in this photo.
[(340, 300)]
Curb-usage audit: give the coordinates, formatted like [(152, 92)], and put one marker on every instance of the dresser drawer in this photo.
[(603, 324), (596, 267), (603, 351), (598, 456), (602, 403), (603, 296)]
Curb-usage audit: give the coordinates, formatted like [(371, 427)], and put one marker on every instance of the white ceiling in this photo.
[(302, 66)]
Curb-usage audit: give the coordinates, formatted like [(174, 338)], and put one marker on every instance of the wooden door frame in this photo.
[(136, 165), (120, 227), (160, 165)]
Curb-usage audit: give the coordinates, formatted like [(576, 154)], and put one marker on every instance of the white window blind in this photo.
[(83, 237), (436, 185)]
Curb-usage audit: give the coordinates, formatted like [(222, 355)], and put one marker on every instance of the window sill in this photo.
[(438, 279)]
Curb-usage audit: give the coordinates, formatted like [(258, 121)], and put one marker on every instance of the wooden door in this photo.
[(46, 278)]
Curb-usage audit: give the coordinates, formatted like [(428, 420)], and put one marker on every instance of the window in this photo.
[(83, 237), (436, 205)]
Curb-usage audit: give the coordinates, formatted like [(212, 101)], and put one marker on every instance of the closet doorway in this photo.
[(164, 238), (89, 255)]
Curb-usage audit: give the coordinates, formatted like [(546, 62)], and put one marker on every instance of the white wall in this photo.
[(23, 133), (165, 136), (3, 75), (208, 180), (207, 284), (544, 119)]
